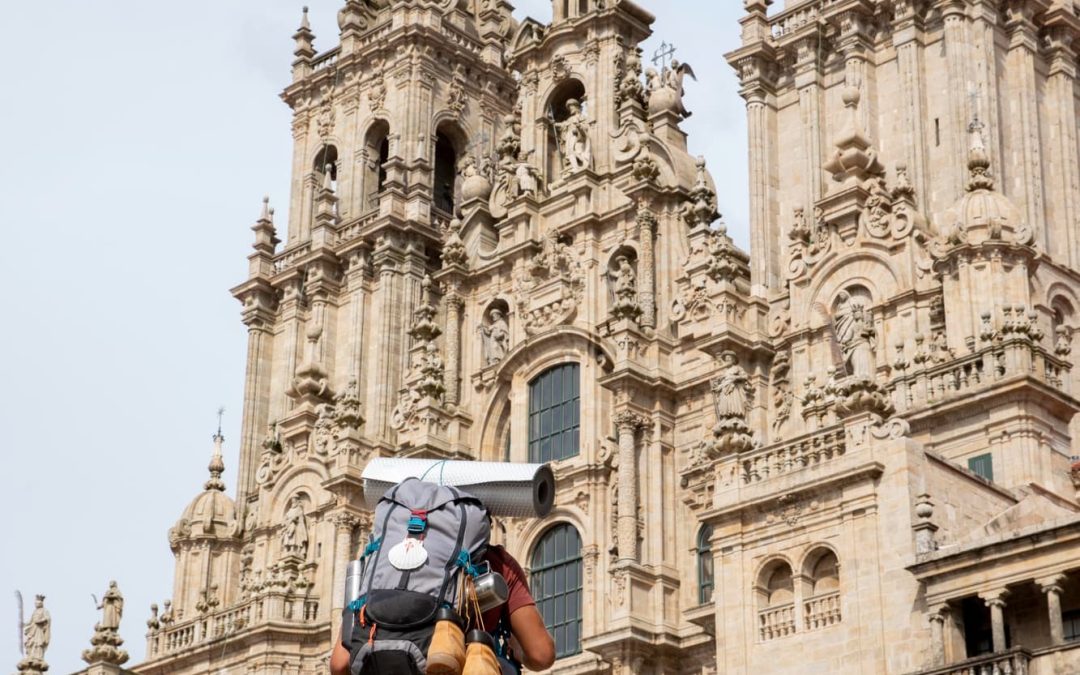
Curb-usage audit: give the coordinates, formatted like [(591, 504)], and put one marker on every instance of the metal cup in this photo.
[(353, 576), (491, 589)]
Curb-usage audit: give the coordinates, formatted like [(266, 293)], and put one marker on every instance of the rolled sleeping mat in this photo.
[(507, 489)]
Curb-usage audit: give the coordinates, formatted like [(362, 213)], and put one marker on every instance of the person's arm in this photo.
[(339, 660), (537, 647)]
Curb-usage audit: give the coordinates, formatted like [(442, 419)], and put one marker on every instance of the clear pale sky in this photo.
[(138, 139)]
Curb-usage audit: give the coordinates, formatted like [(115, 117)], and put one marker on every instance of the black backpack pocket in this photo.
[(400, 610)]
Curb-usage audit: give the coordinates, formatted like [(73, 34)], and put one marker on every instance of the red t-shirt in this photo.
[(516, 583)]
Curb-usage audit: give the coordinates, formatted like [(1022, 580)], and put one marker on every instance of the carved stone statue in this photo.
[(574, 142), (432, 371), (855, 333), (37, 632), (106, 642), (112, 608), (732, 388), (624, 290), (294, 539), (496, 337), (524, 181)]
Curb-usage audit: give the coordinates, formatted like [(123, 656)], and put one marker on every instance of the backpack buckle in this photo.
[(417, 522)]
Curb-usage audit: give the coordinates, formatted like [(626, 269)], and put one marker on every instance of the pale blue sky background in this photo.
[(136, 141)]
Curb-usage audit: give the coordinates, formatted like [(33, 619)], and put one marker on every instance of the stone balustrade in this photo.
[(290, 257), (776, 622), (326, 60), (808, 451), (213, 626), (821, 611), (1015, 661)]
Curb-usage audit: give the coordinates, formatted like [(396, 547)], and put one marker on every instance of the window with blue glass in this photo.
[(556, 586), (554, 414), (706, 581)]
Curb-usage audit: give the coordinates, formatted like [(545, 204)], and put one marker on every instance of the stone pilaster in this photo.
[(646, 223), (454, 305), (628, 424)]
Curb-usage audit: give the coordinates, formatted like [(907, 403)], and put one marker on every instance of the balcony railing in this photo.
[(821, 611), (1016, 661), (214, 626), (808, 451), (776, 622)]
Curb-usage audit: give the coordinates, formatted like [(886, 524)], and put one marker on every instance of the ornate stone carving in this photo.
[(701, 210), (666, 89), (732, 394), (453, 252), (432, 373), (322, 436), (782, 394), (456, 98), (809, 243), (553, 285), (106, 642), (628, 84)]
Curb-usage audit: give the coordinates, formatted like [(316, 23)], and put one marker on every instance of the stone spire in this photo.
[(265, 233), (304, 38)]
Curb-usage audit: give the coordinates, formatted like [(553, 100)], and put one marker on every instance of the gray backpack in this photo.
[(426, 535)]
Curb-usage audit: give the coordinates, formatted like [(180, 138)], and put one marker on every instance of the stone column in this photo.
[(1051, 586), (452, 378), (382, 383), (1064, 176), (956, 54), (755, 78), (628, 424), (1025, 186), (995, 600), (259, 321), (910, 62), (937, 635), (808, 83), (646, 222), (344, 523)]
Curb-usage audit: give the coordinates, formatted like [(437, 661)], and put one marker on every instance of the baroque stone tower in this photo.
[(847, 452)]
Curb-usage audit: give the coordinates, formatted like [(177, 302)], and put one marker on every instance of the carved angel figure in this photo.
[(294, 539), (574, 142), (524, 182), (673, 80), (855, 333), (37, 633)]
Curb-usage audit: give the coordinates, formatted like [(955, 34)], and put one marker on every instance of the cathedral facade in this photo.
[(846, 451)]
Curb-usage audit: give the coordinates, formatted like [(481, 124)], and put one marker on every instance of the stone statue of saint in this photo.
[(112, 608), (573, 133), (623, 284), (855, 333), (295, 538), (496, 337), (524, 182), (37, 632), (732, 389)]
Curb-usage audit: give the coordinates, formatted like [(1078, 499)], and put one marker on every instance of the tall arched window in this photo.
[(376, 154), (445, 173), (822, 608), (556, 585), (326, 159), (706, 581), (554, 414)]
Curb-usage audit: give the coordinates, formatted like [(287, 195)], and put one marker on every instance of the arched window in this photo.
[(445, 173), (776, 601), (376, 154), (822, 608), (326, 159), (554, 414), (556, 585), (706, 581)]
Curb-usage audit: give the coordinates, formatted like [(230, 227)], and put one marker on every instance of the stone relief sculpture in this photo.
[(294, 538), (855, 335), (525, 178), (575, 145), (495, 336), (37, 632)]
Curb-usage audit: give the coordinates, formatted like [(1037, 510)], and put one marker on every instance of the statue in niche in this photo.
[(855, 334), (294, 539), (574, 142), (496, 337), (112, 608), (37, 632), (623, 284), (732, 389)]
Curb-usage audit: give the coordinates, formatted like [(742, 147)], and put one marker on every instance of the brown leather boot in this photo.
[(480, 655), (446, 654)]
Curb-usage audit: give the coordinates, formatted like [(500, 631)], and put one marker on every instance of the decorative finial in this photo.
[(217, 462), (328, 182), (304, 23), (978, 159), (265, 215)]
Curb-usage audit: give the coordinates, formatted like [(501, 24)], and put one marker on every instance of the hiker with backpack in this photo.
[(434, 597)]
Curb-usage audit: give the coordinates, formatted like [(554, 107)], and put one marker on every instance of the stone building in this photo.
[(848, 452)]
